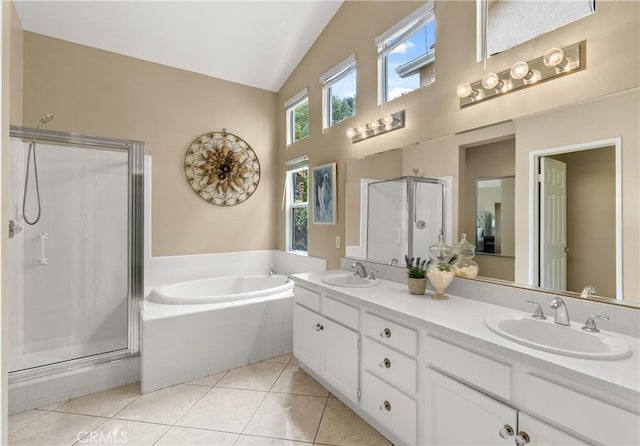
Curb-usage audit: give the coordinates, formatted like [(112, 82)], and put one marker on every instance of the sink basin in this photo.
[(349, 280), (551, 337)]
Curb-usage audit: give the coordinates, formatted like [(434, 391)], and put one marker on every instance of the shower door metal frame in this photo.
[(411, 209), (135, 242)]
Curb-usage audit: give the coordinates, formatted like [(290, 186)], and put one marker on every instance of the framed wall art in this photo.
[(324, 194)]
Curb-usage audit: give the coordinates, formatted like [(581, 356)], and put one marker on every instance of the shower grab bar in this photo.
[(43, 259)]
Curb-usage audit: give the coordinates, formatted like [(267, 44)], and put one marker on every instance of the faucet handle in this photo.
[(590, 325), (539, 314), (371, 275)]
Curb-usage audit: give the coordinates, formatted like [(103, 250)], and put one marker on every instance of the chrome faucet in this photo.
[(272, 272), (587, 291), (562, 314), (361, 271)]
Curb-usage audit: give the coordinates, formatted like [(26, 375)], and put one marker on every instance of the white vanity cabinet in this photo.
[(323, 344)]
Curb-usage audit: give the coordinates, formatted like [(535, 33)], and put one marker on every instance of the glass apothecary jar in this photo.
[(439, 272), (463, 265)]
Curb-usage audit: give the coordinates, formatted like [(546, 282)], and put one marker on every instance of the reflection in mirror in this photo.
[(495, 216), (578, 240), (510, 23)]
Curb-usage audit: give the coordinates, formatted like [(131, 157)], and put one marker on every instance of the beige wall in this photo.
[(101, 93), (591, 220), (493, 160), (434, 119)]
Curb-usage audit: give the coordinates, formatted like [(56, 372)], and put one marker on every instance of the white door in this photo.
[(339, 365), (540, 433), (307, 337), (553, 224), (461, 415)]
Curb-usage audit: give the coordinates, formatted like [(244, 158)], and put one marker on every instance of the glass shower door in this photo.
[(69, 271)]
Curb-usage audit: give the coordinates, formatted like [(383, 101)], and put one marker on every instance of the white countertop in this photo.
[(467, 317)]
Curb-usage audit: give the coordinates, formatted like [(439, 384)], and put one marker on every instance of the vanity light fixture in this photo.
[(376, 127), (554, 63)]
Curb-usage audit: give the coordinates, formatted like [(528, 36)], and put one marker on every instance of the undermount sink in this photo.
[(349, 280), (551, 337)]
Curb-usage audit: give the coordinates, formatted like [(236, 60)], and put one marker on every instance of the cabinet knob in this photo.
[(522, 438), (385, 363), (386, 406), (318, 327), (386, 333), (506, 431)]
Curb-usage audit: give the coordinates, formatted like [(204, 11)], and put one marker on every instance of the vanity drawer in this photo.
[(589, 417), (393, 367), (340, 312), (307, 298), (392, 408), (485, 373), (390, 333)]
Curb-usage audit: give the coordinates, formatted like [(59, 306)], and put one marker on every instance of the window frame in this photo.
[(290, 106), (396, 35), (292, 167), (328, 80)]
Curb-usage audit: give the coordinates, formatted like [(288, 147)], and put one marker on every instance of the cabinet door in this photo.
[(458, 414), (340, 358), (307, 337), (541, 433)]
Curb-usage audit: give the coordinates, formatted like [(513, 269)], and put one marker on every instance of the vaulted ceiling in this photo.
[(256, 43)]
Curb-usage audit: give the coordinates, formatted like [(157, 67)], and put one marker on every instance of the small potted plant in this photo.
[(417, 274)]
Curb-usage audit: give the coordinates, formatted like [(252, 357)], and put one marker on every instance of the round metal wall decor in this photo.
[(222, 168)]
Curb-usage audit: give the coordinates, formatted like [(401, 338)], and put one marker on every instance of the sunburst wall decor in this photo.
[(222, 168)]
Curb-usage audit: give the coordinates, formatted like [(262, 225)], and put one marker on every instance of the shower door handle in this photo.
[(43, 259)]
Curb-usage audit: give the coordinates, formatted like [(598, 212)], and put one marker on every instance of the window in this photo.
[(297, 192), (297, 116), (339, 92), (406, 55)]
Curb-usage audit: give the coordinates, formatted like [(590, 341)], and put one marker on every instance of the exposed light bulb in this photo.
[(350, 133), (464, 91), (387, 120), (490, 80), (519, 70), (553, 57), (373, 125), (362, 130)]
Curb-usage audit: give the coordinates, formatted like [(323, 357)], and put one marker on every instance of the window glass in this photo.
[(297, 118), (297, 203), (339, 92), (407, 55)]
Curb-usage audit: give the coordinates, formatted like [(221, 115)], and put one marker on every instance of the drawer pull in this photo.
[(386, 333), (522, 438), (506, 431), (318, 327), (385, 363), (386, 406)]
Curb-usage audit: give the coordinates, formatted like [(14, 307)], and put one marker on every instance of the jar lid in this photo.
[(440, 251), (463, 248)]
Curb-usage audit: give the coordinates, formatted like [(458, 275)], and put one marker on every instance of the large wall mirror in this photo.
[(503, 24), (498, 178)]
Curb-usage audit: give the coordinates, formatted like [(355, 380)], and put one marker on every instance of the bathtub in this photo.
[(198, 328), (220, 289)]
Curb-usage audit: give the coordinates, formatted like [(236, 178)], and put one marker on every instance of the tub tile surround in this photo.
[(204, 413)]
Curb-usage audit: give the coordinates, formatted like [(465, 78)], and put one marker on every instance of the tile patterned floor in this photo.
[(270, 403)]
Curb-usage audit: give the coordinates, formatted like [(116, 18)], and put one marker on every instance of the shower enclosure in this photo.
[(405, 216), (76, 272)]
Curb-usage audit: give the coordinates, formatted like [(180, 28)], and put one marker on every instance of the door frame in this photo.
[(534, 199)]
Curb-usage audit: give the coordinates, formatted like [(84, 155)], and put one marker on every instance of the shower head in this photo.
[(45, 119)]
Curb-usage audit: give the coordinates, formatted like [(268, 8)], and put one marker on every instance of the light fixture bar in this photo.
[(556, 62), (376, 127)]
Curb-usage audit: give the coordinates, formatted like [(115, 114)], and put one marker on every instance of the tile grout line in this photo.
[(326, 402)]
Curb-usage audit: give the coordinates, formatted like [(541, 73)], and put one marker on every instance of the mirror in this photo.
[(390, 216), (505, 24), (495, 216), (577, 218)]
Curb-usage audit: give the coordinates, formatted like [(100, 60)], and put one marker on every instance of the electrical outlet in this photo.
[(337, 241)]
